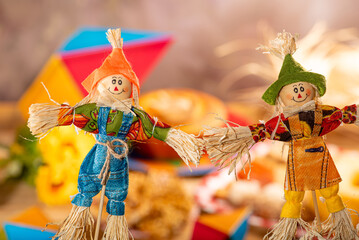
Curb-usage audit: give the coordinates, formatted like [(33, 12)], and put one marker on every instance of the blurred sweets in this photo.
[(261, 192), (219, 192), (188, 109), (263, 199), (158, 206), (63, 151)]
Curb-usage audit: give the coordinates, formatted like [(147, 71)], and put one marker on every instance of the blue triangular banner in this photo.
[(92, 37)]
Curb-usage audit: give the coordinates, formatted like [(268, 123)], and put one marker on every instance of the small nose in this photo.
[(299, 96), (116, 89)]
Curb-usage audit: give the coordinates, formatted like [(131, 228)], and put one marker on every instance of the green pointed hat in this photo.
[(291, 71)]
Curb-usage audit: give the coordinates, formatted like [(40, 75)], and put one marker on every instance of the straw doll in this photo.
[(301, 121), (111, 112)]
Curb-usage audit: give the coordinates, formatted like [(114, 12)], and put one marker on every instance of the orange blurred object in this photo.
[(185, 109), (33, 216), (259, 171)]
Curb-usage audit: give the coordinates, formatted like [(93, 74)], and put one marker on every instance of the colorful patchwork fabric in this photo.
[(332, 118), (260, 132), (85, 117)]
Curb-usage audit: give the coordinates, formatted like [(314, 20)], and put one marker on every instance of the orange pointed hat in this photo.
[(115, 63)]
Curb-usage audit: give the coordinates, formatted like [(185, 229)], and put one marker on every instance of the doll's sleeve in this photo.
[(273, 129), (350, 114), (84, 117), (333, 117), (187, 146), (145, 127)]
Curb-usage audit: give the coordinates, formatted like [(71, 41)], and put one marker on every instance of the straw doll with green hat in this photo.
[(301, 121)]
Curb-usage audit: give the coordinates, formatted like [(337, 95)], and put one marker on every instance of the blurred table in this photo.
[(15, 197)]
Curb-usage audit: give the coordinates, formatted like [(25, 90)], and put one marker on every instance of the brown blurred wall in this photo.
[(30, 31)]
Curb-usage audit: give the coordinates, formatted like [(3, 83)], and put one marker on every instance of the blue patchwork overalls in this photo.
[(89, 185)]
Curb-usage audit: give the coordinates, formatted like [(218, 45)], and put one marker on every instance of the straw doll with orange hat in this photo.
[(111, 112), (301, 121)]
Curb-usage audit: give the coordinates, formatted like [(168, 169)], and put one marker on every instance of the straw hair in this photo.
[(116, 228), (78, 225), (284, 44), (187, 146), (114, 37), (228, 146)]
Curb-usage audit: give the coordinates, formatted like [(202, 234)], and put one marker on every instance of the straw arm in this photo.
[(226, 147), (187, 146)]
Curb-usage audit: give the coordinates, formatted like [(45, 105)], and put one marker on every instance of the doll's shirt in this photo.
[(85, 117), (333, 117)]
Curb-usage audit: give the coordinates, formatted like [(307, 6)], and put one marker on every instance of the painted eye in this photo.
[(113, 81), (296, 90), (302, 89), (119, 82)]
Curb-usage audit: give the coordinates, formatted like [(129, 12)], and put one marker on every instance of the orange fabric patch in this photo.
[(310, 165)]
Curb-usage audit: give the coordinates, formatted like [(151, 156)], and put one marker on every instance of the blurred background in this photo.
[(207, 64)]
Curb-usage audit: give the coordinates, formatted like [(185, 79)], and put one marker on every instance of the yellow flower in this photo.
[(54, 192), (63, 151)]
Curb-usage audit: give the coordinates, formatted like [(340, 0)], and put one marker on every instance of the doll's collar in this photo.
[(291, 110), (120, 105)]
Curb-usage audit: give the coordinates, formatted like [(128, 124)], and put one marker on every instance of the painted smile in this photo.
[(115, 93), (302, 100)]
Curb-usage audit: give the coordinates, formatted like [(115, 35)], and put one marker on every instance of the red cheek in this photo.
[(125, 89), (289, 96), (309, 92)]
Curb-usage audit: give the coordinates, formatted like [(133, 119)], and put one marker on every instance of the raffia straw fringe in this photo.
[(42, 118), (228, 146), (284, 44), (114, 37), (340, 227), (286, 229), (77, 225), (188, 147), (117, 228)]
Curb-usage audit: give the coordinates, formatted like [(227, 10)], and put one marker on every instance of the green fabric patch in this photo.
[(114, 122), (90, 111), (159, 133), (292, 72)]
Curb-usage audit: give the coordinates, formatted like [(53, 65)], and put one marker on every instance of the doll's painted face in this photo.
[(117, 85), (297, 94)]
